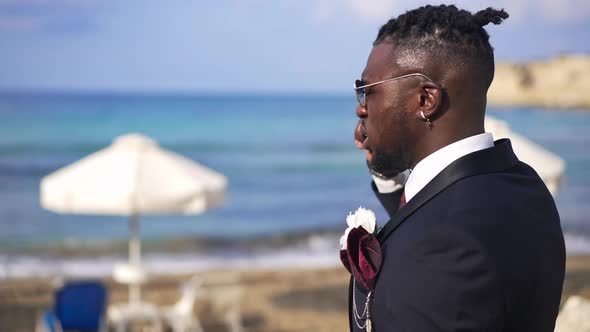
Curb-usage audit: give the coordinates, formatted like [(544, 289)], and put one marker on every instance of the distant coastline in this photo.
[(562, 82), (557, 83)]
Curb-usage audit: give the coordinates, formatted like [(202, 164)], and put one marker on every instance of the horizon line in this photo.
[(170, 93)]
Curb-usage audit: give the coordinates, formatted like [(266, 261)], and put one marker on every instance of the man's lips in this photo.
[(361, 139), (360, 136)]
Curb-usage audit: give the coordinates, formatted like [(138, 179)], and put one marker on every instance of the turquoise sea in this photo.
[(293, 170)]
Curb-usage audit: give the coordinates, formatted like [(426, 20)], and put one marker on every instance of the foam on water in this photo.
[(577, 244), (314, 252), (318, 251)]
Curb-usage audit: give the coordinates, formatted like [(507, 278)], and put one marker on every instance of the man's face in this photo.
[(384, 126)]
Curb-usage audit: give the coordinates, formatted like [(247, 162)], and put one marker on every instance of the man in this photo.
[(476, 244)]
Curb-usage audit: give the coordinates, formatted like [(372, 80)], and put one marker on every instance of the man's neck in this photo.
[(437, 142)]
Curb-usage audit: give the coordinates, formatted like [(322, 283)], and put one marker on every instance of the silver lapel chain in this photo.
[(365, 315)]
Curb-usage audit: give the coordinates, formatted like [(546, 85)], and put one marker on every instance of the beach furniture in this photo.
[(133, 177), (574, 315), (78, 306), (123, 315), (133, 275), (228, 299), (180, 317), (224, 296)]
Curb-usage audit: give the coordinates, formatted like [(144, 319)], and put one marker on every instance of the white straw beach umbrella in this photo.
[(549, 166), (133, 176)]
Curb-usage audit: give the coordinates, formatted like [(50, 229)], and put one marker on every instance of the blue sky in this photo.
[(310, 46)]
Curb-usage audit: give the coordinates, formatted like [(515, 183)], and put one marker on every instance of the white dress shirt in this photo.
[(429, 167)]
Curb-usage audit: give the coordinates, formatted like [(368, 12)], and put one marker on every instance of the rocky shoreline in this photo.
[(560, 83)]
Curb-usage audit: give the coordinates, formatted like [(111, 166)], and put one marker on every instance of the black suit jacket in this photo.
[(480, 248)]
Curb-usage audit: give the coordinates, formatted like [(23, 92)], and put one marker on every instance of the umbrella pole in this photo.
[(135, 257)]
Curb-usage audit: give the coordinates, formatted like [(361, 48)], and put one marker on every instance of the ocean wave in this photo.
[(36, 148), (300, 250), (161, 264), (73, 248), (312, 251), (26, 161), (577, 244)]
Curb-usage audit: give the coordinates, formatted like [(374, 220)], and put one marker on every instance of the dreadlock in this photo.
[(446, 32)]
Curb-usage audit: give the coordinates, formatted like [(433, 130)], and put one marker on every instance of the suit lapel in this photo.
[(492, 160), (350, 312)]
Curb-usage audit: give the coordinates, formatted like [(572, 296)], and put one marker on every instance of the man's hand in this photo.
[(388, 185)]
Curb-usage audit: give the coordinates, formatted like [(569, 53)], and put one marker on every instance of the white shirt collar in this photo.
[(429, 167)]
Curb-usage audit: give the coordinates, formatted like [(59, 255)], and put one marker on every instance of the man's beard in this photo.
[(386, 165), (391, 162)]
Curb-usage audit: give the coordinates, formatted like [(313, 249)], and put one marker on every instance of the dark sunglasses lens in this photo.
[(360, 93), (360, 96)]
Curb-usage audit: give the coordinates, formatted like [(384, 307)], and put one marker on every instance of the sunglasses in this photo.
[(361, 90)]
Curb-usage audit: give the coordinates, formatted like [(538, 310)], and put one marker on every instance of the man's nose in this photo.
[(361, 112)]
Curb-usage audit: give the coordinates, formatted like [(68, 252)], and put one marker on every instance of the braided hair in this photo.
[(446, 32)]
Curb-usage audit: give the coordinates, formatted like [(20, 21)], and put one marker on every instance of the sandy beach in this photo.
[(278, 301)]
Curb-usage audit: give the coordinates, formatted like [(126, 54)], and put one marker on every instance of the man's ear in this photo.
[(430, 100)]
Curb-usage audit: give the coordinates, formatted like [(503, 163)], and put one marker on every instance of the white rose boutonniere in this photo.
[(362, 217), (361, 255)]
